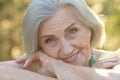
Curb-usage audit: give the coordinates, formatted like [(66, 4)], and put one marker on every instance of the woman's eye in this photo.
[(71, 31), (49, 40)]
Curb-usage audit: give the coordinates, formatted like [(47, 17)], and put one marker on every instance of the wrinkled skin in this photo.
[(64, 37)]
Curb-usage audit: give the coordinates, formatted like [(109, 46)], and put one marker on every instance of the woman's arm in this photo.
[(65, 71), (10, 70), (9, 73), (11, 64)]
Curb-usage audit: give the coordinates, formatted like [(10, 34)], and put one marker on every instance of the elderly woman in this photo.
[(61, 35)]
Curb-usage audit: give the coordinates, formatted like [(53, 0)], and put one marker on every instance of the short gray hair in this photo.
[(39, 10)]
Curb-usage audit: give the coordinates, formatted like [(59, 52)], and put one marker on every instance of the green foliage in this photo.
[(11, 15)]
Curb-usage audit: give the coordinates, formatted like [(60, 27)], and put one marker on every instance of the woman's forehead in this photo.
[(61, 20)]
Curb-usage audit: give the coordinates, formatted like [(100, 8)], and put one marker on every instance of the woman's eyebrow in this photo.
[(44, 36), (69, 26)]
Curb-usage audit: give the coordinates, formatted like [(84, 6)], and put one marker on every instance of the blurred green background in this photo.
[(12, 12)]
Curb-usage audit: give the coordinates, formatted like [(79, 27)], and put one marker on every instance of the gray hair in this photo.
[(39, 10)]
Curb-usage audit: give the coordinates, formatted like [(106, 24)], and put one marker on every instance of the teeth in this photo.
[(72, 58)]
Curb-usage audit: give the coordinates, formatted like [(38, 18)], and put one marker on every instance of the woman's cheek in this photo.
[(53, 52)]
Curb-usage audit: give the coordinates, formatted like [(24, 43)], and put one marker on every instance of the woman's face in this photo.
[(65, 37)]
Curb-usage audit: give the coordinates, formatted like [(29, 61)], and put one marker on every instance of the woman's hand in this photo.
[(48, 62), (38, 57), (28, 61), (107, 63)]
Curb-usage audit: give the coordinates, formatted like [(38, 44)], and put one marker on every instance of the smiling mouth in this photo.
[(72, 59)]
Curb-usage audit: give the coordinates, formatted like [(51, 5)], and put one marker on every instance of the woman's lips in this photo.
[(72, 59)]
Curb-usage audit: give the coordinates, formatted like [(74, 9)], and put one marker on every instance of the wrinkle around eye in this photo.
[(74, 30), (50, 42), (71, 34)]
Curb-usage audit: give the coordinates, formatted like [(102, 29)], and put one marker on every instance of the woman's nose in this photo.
[(66, 48)]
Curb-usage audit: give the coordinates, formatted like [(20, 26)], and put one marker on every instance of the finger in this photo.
[(20, 59), (36, 55), (30, 59), (48, 62), (113, 59), (27, 62), (109, 65), (44, 59)]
